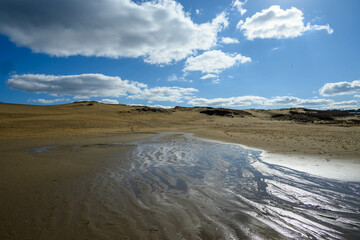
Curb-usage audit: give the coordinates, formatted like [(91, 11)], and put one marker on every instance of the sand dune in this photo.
[(282, 131)]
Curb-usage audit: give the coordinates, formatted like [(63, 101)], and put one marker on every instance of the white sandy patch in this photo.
[(344, 170)]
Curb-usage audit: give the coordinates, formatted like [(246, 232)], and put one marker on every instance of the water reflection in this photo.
[(200, 189)]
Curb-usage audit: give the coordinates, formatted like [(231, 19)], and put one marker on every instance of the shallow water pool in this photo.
[(196, 189), (175, 186)]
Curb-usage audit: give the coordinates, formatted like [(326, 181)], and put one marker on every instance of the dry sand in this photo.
[(26, 124), (31, 190)]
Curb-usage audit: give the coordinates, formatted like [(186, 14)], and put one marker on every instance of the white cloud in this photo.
[(298, 102), (160, 106), (159, 31), (228, 102), (109, 101), (340, 88), (220, 22), (135, 104), (96, 85), (227, 40), (275, 22), (49, 101), (80, 86), (320, 27), (207, 76), (239, 5), (344, 105), (357, 96), (311, 103), (171, 94), (284, 101), (214, 61), (173, 78), (197, 11)]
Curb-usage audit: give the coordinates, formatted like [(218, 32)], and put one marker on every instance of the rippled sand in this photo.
[(174, 186)]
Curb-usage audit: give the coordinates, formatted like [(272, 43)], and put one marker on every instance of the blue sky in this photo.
[(229, 53)]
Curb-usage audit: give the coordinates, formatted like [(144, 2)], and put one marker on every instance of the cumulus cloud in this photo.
[(96, 85), (49, 101), (352, 104), (239, 5), (294, 101), (171, 94), (160, 106), (220, 22), (283, 101), (320, 27), (228, 102), (159, 31), (109, 101), (311, 103), (227, 40), (80, 86), (275, 22), (214, 61), (340, 88)]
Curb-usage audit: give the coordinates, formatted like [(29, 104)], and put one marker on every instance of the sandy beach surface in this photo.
[(273, 130), (45, 191)]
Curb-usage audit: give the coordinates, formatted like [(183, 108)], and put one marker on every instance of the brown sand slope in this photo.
[(302, 131)]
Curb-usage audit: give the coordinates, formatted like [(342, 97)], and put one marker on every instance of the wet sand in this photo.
[(168, 186), (39, 189), (85, 187)]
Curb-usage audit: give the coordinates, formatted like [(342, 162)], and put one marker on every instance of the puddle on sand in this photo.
[(179, 187)]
